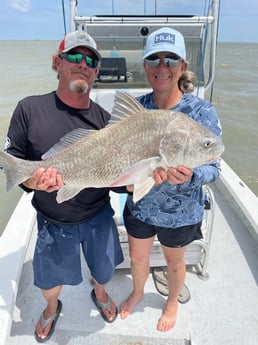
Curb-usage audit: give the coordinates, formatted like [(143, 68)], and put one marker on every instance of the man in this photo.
[(85, 221)]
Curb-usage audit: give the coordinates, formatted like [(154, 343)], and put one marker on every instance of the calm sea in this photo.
[(26, 69)]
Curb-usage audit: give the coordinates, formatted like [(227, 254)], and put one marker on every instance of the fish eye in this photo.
[(208, 142)]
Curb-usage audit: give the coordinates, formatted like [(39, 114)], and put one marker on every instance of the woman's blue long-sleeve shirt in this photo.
[(173, 206)]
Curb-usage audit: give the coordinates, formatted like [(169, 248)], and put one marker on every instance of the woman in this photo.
[(173, 209)]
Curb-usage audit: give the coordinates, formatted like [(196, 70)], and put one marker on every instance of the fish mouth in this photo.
[(214, 158), (218, 155)]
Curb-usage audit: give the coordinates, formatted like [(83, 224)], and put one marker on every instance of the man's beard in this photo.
[(79, 86)]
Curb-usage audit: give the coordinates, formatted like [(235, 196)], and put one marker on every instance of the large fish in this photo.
[(125, 152)]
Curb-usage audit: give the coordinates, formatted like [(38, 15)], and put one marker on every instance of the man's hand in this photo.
[(48, 180)]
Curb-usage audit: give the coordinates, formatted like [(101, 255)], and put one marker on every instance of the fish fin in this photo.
[(125, 105), (142, 187), (11, 167), (143, 168), (66, 193), (67, 140)]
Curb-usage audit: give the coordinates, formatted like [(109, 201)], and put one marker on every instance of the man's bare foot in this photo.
[(128, 305), (168, 318)]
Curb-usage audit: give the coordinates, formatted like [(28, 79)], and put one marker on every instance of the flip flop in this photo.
[(45, 322), (159, 275), (101, 305)]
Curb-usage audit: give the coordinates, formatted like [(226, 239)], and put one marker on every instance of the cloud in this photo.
[(20, 5)]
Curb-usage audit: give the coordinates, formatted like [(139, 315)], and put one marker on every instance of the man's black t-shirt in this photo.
[(38, 122)]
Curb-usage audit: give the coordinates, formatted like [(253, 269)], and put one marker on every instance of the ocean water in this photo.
[(235, 97), (26, 69)]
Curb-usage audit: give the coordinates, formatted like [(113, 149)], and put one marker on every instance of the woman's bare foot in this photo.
[(168, 318), (128, 305)]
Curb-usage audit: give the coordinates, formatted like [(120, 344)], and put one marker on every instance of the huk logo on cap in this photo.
[(164, 37)]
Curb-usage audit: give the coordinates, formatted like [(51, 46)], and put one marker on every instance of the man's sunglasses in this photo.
[(77, 58), (170, 60)]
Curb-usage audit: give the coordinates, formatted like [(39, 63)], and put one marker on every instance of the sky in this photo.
[(43, 19)]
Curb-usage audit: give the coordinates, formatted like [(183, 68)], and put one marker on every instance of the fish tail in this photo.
[(10, 165)]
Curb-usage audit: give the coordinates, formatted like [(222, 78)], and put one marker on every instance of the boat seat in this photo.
[(197, 253), (113, 69), (105, 98)]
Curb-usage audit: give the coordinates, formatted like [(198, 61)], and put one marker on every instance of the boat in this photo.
[(219, 302)]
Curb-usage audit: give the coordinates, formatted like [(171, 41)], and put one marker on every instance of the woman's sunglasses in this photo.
[(78, 57), (170, 60)]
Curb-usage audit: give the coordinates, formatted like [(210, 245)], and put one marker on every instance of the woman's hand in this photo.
[(48, 180), (178, 175)]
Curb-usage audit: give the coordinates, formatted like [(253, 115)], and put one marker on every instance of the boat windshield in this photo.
[(121, 41)]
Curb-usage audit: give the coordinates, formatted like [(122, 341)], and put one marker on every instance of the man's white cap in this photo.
[(78, 39)]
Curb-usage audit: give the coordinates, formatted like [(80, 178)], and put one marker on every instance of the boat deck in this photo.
[(222, 310)]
